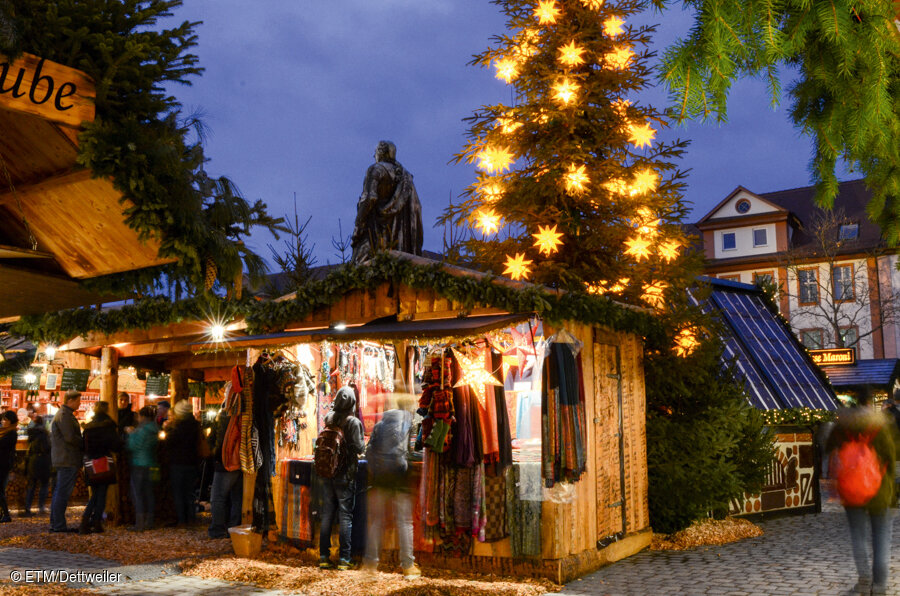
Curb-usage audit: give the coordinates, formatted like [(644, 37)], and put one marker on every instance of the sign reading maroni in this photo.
[(43, 88), (833, 357)]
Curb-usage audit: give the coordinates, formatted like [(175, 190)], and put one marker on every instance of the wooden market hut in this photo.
[(603, 516)]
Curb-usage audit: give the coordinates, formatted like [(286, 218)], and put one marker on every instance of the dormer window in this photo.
[(742, 206), (849, 232), (729, 242), (760, 237)]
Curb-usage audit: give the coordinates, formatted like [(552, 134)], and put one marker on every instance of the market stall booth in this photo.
[(880, 377), (783, 382), (532, 456)]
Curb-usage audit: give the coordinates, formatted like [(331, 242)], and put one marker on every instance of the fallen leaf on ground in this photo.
[(707, 532)]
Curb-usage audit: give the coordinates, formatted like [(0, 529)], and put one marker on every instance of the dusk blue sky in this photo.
[(297, 94)]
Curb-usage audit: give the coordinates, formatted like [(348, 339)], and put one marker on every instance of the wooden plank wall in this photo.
[(636, 478)]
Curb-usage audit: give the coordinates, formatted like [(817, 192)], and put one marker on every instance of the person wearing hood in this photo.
[(182, 445), (101, 438), (339, 492), (881, 434), (38, 466), (387, 456)]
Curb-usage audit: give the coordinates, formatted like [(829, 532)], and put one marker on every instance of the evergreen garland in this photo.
[(797, 417), (270, 316)]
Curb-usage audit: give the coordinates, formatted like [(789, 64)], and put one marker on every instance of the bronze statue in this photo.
[(388, 214)]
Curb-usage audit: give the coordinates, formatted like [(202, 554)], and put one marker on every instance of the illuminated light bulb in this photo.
[(669, 250), (685, 342), (613, 26), (546, 12), (565, 91), (653, 294), (576, 179), (645, 181), (50, 352), (638, 247), (507, 125), (592, 4), (162, 435), (29, 378), (217, 332), (547, 240), (570, 54), (619, 58), (507, 69), (488, 221), (518, 267), (495, 159), (641, 135)]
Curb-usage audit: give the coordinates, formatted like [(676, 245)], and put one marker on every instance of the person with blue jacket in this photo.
[(142, 444)]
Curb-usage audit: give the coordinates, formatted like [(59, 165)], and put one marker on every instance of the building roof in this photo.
[(881, 372), (777, 370)]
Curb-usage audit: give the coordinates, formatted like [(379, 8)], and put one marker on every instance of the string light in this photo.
[(576, 179), (619, 58), (641, 135), (546, 12), (547, 240), (570, 54), (565, 91), (495, 159), (507, 69), (638, 247), (517, 267), (488, 221), (669, 250), (613, 26)]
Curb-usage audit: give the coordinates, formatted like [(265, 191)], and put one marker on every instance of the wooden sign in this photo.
[(834, 357), (157, 384), (19, 382), (43, 88), (74, 378)]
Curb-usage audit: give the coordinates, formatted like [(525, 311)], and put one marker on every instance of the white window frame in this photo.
[(764, 231)]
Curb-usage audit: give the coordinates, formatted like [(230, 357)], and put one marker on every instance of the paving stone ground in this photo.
[(799, 555)]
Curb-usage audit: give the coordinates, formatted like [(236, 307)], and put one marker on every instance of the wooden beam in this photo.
[(179, 380), (183, 332), (54, 181)]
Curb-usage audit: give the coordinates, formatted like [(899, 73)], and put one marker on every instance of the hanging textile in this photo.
[(269, 389), (245, 376), (523, 516), (563, 452), (487, 413), (495, 507), (295, 510), (504, 432)]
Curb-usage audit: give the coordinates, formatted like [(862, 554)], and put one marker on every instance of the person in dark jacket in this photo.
[(878, 512), (37, 466), (101, 439), (182, 445), (339, 493), (126, 415), (66, 451), (8, 423), (227, 486)]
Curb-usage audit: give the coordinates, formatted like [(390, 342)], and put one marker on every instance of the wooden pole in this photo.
[(109, 388), (179, 386)]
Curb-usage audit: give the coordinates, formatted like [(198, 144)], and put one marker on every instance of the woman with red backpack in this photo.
[(862, 454)]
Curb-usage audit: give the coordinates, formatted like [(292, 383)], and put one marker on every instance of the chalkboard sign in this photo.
[(74, 378), (157, 384), (19, 383)]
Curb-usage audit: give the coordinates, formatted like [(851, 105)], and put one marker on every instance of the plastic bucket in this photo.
[(244, 541)]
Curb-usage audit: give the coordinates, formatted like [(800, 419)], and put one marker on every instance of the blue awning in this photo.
[(776, 368), (880, 372)]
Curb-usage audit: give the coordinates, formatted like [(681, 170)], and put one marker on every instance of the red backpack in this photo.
[(859, 471), (329, 452)]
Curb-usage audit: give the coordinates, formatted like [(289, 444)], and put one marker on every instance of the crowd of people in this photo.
[(105, 451)]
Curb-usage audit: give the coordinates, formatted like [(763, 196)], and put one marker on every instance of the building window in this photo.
[(742, 206), (850, 336), (848, 231), (764, 278), (811, 338), (760, 238), (808, 282), (735, 277), (842, 280), (729, 242)]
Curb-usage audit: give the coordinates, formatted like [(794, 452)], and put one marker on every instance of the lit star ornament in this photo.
[(547, 240), (645, 181), (565, 91), (619, 58), (495, 159), (576, 179), (592, 4), (546, 12), (686, 342), (474, 375), (570, 54), (638, 248), (613, 26), (488, 221), (653, 294), (491, 192), (641, 135), (507, 69), (517, 267), (669, 250)]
